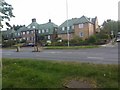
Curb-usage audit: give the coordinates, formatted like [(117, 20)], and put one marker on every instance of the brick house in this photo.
[(83, 27)]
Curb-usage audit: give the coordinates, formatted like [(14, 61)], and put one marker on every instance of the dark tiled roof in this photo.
[(83, 19), (33, 24), (50, 26), (71, 22), (75, 21), (22, 29)]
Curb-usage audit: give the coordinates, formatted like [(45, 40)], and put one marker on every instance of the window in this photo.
[(32, 32), (43, 31), (68, 28), (18, 34), (80, 25), (73, 27), (48, 36), (47, 30), (30, 38), (27, 32), (39, 31), (24, 38), (63, 28), (28, 26), (33, 26), (23, 33), (81, 34), (27, 38)]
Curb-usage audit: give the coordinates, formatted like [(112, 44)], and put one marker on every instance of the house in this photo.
[(82, 27), (8, 34), (48, 30)]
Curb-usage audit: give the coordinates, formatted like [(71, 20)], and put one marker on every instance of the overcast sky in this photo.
[(43, 10)]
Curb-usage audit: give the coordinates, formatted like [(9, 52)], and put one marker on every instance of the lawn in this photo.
[(31, 73)]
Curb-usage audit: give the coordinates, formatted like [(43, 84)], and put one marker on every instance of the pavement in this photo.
[(102, 55)]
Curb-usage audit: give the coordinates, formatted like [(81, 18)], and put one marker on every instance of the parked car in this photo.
[(28, 45), (118, 37)]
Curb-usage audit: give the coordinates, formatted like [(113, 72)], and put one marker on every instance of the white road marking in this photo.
[(96, 58)]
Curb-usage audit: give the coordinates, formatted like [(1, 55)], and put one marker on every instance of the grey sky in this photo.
[(43, 10)]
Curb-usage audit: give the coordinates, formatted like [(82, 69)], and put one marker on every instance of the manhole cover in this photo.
[(77, 84)]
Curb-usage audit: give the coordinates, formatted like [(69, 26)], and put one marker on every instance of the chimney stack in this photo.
[(49, 20), (33, 20)]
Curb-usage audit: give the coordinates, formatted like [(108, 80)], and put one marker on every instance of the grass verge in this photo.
[(31, 73), (70, 47)]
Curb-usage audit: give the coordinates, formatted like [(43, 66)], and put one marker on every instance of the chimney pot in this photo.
[(33, 20), (49, 20)]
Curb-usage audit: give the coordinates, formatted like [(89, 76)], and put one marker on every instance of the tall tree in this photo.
[(5, 11), (110, 26)]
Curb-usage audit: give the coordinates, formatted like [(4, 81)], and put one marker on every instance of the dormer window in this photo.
[(33, 26), (28, 26), (81, 25)]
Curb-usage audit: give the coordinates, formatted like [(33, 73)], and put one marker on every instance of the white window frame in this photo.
[(39, 31), (49, 37), (27, 38), (68, 28), (81, 34), (43, 31), (33, 26), (63, 28), (47, 30), (28, 32), (24, 38), (32, 32), (18, 34), (81, 25), (73, 27), (23, 33)]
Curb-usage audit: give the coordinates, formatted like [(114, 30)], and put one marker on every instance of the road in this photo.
[(103, 55)]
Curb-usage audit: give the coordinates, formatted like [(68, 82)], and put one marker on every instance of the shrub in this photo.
[(92, 39), (76, 41), (9, 43)]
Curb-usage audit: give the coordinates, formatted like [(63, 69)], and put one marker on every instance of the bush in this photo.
[(76, 41), (56, 43), (92, 39), (9, 43)]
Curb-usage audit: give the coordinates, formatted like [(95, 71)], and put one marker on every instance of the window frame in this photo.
[(81, 34), (81, 25)]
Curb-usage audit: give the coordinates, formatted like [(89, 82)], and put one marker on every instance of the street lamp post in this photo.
[(67, 23)]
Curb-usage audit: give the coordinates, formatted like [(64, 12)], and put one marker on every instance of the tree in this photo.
[(5, 11), (109, 26)]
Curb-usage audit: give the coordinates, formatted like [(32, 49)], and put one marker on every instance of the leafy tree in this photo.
[(5, 11), (109, 26)]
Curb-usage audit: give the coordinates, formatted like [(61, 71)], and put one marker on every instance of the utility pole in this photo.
[(67, 23)]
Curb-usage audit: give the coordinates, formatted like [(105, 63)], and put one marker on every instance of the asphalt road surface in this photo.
[(103, 55)]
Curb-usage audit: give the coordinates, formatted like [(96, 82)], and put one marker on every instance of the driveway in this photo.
[(103, 55)]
